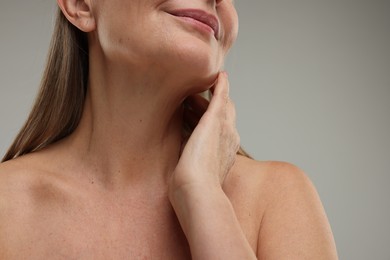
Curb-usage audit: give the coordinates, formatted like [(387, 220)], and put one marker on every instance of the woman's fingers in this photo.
[(220, 96), (222, 78), (221, 87), (220, 91), (219, 110), (213, 139), (226, 110), (221, 105)]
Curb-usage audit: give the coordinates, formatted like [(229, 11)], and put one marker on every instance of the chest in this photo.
[(129, 242), (91, 233), (91, 229)]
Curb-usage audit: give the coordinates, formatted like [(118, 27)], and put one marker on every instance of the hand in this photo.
[(210, 151)]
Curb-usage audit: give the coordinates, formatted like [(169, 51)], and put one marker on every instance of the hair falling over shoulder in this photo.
[(58, 107)]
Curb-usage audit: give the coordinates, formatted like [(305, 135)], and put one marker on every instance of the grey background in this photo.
[(311, 82)]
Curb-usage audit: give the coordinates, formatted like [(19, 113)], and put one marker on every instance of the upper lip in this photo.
[(201, 16)]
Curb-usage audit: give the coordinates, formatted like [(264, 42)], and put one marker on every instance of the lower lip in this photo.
[(197, 24)]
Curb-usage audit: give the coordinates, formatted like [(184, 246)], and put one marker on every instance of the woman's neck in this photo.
[(130, 130)]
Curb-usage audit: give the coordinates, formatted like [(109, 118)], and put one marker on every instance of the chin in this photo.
[(196, 61)]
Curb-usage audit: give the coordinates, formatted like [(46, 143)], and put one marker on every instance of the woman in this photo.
[(122, 159)]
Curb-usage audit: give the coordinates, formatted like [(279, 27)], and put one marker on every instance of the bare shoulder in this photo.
[(25, 187), (264, 179), (290, 220), (16, 179), (16, 203), (18, 175), (27, 191), (260, 184), (26, 180)]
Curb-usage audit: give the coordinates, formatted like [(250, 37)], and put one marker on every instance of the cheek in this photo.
[(119, 33), (229, 18)]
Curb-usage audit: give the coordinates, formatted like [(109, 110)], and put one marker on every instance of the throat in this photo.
[(115, 149)]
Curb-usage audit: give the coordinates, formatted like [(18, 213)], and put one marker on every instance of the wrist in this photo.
[(185, 193), (209, 222), (193, 203)]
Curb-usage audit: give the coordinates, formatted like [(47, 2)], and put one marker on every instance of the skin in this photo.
[(126, 184)]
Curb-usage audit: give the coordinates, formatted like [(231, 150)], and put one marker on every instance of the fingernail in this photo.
[(223, 73)]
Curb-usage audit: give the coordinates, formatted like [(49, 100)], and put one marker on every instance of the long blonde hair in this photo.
[(58, 107)]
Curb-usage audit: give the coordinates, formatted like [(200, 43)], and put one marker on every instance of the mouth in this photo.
[(200, 16)]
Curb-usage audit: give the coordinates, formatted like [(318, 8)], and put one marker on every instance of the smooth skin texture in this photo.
[(127, 185)]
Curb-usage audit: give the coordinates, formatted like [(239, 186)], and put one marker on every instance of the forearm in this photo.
[(210, 224)]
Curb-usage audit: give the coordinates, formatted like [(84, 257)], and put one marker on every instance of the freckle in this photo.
[(140, 120), (92, 182)]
